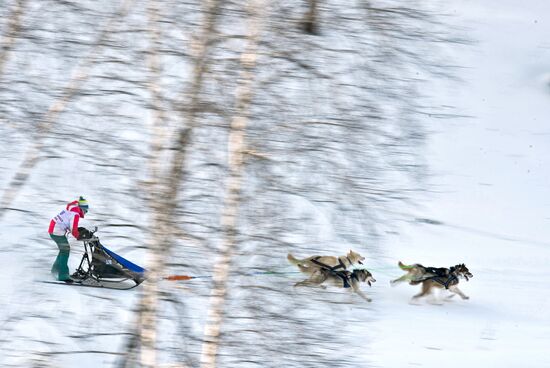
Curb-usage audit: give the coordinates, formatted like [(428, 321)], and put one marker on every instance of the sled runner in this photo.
[(101, 267)]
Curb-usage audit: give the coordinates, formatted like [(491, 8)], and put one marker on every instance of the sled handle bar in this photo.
[(92, 236)]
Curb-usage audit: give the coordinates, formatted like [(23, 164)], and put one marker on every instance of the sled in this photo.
[(101, 267)]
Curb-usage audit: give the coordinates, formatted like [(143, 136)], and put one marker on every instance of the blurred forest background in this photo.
[(212, 138)]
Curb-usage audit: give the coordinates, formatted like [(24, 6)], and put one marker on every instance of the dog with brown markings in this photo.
[(336, 270), (313, 263), (434, 277)]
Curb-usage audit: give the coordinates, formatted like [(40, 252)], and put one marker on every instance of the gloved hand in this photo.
[(83, 233)]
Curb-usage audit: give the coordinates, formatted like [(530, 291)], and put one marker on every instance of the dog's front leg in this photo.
[(358, 291), (456, 290)]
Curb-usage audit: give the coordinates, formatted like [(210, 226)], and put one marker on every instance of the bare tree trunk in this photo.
[(32, 154), (310, 18), (166, 193), (14, 24), (236, 148), (158, 130)]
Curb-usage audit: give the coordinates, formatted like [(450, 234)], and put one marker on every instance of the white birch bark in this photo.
[(14, 24), (166, 186), (236, 149)]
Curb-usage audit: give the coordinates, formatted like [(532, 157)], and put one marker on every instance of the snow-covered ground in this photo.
[(489, 188), (488, 198)]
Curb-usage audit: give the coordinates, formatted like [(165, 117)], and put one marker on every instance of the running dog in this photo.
[(313, 263), (334, 269), (345, 279), (433, 277)]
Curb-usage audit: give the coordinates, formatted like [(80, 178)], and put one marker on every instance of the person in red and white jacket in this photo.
[(64, 223)]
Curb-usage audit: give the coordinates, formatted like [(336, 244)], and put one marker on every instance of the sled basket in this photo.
[(106, 267)]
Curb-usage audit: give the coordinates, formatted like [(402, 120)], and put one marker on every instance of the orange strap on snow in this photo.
[(178, 277)]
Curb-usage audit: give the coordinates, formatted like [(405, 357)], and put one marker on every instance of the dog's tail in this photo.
[(404, 266), (293, 259)]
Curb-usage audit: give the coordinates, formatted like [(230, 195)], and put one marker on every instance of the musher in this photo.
[(60, 226)]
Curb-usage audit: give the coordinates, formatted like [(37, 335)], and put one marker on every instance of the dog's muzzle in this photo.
[(370, 280)]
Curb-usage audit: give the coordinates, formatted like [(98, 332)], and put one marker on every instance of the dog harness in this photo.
[(441, 275), (344, 274)]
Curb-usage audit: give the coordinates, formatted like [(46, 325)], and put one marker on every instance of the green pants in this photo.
[(60, 268)]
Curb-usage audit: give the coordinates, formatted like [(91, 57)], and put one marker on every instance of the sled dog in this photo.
[(434, 277), (342, 279), (334, 269), (314, 263)]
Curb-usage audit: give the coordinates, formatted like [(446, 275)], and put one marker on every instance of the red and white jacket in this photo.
[(66, 221)]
